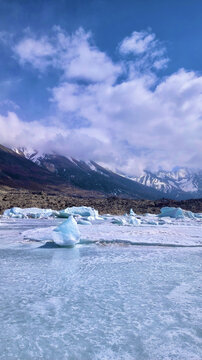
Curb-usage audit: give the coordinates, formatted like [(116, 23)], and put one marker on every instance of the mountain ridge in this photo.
[(18, 172), (59, 173), (180, 184)]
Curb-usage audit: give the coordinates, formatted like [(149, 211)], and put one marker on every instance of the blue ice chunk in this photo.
[(176, 213), (189, 214), (119, 221), (83, 211), (132, 213), (83, 222), (134, 221), (35, 213), (13, 212), (198, 215), (63, 214), (161, 222), (150, 222), (67, 234)]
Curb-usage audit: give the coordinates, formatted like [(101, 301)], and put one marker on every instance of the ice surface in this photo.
[(145, 229), (100, 302), (122, 292), (184, 233), (163, 235), (67, 234)]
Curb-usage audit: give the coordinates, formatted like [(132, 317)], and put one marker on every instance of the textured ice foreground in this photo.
[(115, 302)]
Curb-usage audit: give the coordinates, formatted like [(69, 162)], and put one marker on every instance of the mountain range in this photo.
[(181, 183), (53, 172)]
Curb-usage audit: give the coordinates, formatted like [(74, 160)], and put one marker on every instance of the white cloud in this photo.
[(47, 138), (25, 133), (137, 43), (36, 52), (160, 127), (148, 50), (9, 103), (74, 54), (140, 121), (82, 60)]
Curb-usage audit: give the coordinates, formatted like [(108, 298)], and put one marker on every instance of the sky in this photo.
[(117, 82)]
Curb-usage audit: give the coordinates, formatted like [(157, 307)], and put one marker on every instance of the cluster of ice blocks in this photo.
[(99, 227), (88, 214), (36, 213)]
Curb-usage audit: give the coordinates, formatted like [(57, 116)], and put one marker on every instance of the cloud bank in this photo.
[(122, 113)]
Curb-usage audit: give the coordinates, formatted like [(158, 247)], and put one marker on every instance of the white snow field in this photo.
[(128, 289)]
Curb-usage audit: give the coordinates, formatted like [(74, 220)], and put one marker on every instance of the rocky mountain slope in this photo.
[(180, 184), (112, 205), (89, 176), (16, 171)]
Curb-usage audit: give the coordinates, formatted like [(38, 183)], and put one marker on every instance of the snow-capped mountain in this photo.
[(180, 183), (89, 176), (17, 171), (29, 154)]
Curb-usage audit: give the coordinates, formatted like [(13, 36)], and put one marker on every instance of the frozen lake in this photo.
[(98, 300)]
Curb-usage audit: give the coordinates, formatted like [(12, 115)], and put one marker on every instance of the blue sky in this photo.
[(115, 81)]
